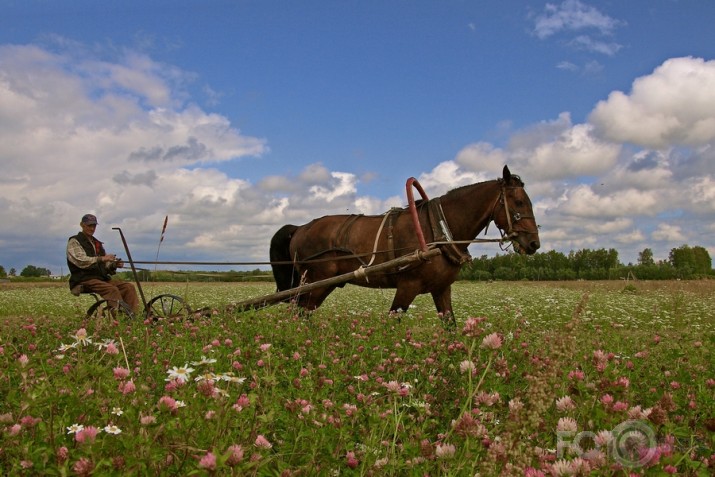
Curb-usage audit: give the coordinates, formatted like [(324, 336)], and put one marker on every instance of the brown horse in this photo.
[(338, 244)]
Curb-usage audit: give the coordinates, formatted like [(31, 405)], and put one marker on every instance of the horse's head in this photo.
[(514, 216)]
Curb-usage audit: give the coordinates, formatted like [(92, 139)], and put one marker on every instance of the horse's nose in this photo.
[(535, 244)]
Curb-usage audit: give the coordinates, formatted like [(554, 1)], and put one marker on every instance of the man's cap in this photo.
[(89, 219)]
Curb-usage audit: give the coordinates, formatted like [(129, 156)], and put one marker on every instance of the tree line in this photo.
[(684, 262)]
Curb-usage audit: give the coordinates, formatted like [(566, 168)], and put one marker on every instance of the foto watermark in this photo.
[(631, 444)]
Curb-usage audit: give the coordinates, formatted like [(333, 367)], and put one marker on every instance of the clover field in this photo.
[(568, 378)]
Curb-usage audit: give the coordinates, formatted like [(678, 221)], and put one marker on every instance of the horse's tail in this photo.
[(285, 275)]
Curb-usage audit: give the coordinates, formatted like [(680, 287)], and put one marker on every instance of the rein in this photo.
[(506, 236)]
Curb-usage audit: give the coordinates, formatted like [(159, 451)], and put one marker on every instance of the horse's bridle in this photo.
[(511, 219)]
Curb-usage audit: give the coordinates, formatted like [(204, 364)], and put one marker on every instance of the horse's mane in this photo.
[(514, 181)]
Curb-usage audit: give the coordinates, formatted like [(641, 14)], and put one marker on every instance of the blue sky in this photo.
[(235, 117)]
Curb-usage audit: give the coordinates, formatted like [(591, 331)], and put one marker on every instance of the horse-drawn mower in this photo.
[(382, 251)]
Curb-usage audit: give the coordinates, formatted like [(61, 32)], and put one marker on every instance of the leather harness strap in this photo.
[(442, 233)]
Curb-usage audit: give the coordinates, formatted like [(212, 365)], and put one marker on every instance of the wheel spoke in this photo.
[(167, 306)]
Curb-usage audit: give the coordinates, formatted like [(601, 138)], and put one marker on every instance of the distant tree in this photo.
[(681, 258), (3, 274), (33, 271), (703, 262), (645, 258), (13, 272)]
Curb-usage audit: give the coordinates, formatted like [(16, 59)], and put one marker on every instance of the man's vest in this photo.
[(98, 270)]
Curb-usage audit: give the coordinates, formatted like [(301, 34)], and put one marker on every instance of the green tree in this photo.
[(33, 271), (703, 262), (645, 258), (3, 274), (690, 261)]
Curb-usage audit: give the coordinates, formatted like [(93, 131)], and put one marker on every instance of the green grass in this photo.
[(353, 391)]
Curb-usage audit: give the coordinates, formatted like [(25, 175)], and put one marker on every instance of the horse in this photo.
[(336, 244)]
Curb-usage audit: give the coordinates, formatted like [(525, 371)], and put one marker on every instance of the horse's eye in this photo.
[(519, 203)]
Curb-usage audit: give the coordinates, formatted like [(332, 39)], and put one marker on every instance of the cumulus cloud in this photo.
[(122, 139), (671, 106), (668, 233), (482, 157), (549, 150), (583, 201), (446, 176), (634, 237)]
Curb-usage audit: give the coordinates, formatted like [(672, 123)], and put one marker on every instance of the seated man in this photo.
[(91, 268)]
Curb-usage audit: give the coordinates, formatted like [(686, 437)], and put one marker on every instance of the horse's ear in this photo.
[(507, 174)]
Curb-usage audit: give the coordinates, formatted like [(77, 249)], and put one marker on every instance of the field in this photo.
[(569, 378)]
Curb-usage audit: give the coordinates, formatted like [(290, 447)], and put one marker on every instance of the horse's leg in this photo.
[(403, 299), (314, 298), (443, 302)]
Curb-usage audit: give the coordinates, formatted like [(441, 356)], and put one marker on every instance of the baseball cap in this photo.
[(89, 219)]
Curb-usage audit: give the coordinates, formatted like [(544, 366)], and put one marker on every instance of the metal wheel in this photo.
[(166, 307), (102, 309)]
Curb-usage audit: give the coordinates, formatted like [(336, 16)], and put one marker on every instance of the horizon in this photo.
[(235, 118)]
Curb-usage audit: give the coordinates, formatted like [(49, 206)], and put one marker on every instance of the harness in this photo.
[(442, 233), (437, 226), (511, 219)]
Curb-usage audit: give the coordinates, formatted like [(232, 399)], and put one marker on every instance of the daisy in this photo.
[(74, 428), (206, 377), (203, 360), (117, 411), (66, 347), (105, 343), (180, 374), (112, 429), (229, 377)]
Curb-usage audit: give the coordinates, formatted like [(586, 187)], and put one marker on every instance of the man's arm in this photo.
[(77, 255)]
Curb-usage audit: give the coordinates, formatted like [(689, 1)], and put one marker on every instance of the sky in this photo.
[(234, 118)]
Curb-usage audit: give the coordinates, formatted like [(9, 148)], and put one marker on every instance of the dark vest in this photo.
[(98, 270)]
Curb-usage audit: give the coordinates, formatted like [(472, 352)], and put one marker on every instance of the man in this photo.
[(91, 268)]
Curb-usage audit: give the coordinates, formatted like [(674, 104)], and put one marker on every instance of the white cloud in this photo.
[(635, 237), (583, 42), (572, 15), (584, 202), (446, 176), (341, 185), (121, 139), (576, 152), (668, 233), (558, 149), (567, 66), (672, 106), (482, 158)]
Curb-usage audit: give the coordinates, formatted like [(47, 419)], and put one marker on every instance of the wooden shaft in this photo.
[(361, 272)]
